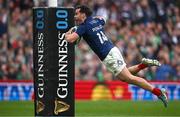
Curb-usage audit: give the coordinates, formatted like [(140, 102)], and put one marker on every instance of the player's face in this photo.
[(79, 17)]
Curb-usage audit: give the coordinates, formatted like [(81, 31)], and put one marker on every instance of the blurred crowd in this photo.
[(139, 28), (16, 39)]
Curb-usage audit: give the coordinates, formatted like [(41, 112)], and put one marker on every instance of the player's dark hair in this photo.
[(85, 9)]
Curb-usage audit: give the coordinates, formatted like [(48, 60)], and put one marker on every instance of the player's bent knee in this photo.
[(125, 76)]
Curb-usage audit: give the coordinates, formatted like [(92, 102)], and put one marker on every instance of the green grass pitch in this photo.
[(100, 108)]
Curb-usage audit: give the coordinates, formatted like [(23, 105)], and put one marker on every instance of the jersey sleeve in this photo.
[(81, 30), (102, 21)]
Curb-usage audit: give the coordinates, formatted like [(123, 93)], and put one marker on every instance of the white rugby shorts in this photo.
[(114, 61)]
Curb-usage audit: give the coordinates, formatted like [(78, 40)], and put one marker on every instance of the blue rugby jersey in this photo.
[(92, 31)]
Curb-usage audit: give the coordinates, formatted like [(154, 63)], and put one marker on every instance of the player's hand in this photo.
[(70, 36), (73, 29), (70, 30)]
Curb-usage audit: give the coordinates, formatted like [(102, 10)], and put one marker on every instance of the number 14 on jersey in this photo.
[(102, 37)]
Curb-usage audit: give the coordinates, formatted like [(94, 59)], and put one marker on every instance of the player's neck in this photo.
[(84, 18)]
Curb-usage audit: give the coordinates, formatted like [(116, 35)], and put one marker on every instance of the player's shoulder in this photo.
[(82, 26), (91, 21)]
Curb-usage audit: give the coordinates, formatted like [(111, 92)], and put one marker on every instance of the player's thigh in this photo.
[(114, 61)]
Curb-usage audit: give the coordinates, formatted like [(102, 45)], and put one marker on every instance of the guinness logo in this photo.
[(40, 106), (60, 106)]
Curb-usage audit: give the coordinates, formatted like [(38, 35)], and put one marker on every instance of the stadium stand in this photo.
[(140, 28)]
